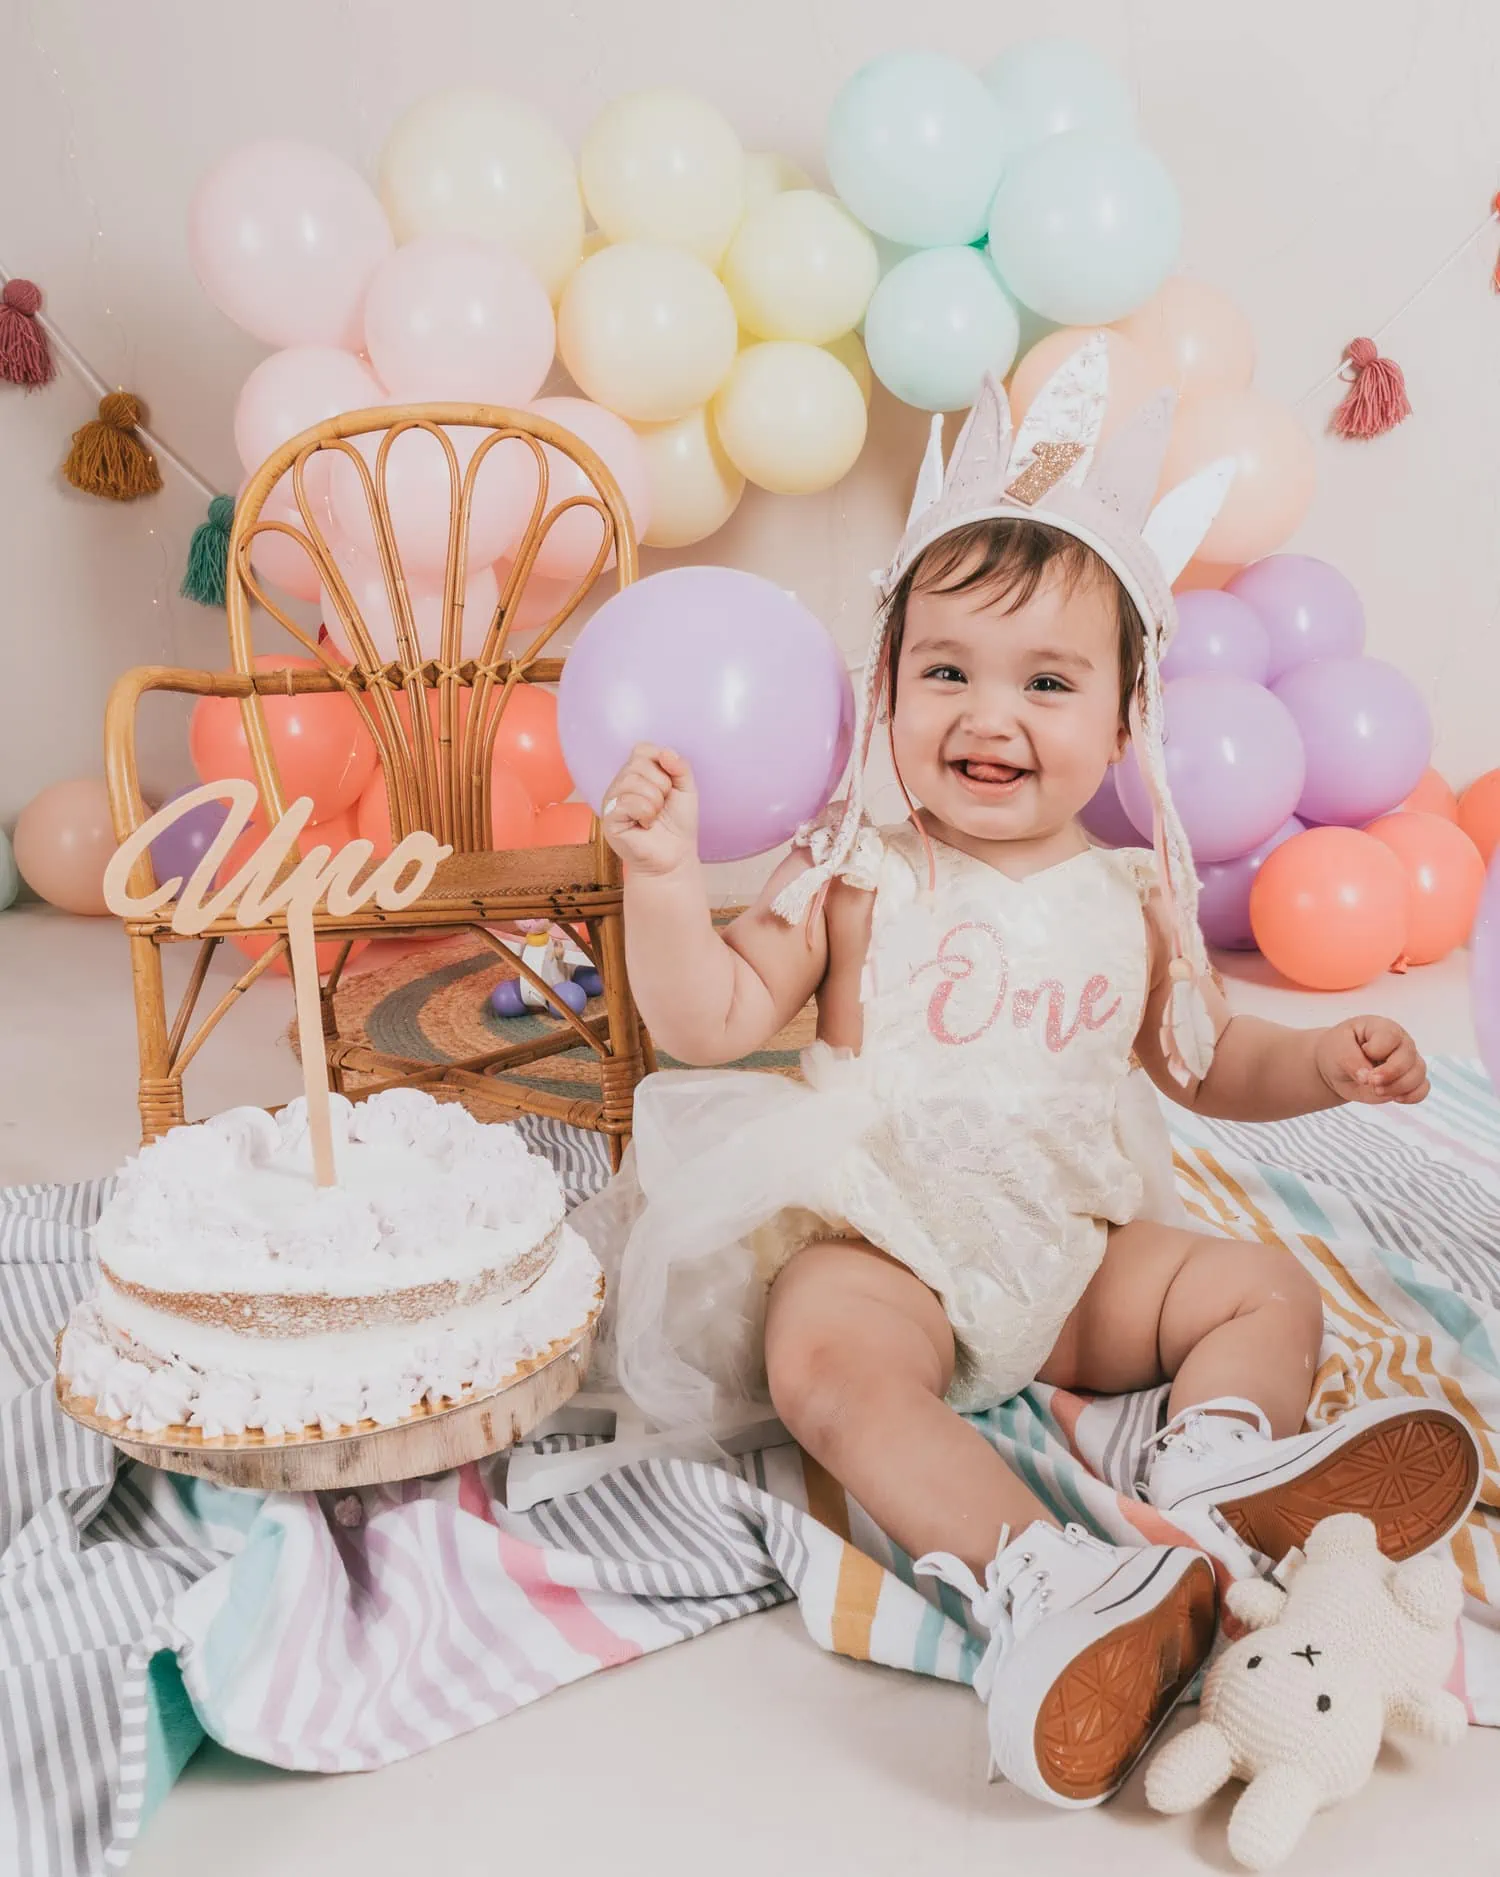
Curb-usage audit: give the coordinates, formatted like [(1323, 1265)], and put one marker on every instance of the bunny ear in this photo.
[(976, 468), (930, 475), (1127, 468), (1185, 514), (1067, 411)]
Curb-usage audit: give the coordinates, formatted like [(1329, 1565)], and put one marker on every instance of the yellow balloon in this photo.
[(790, 417), (767, 174), (800, 267), (475, 162), (647, 331), (849, 350), (665, 166), (694, 486)]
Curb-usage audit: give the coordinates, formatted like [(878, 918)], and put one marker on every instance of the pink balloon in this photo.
[(420, 497), (1235, 765), (1224, 892), (567, 552), (1217, 632), (366, 583), (284, 238), (1104, 816), (291, 391), (1308, 608), (1368, 735), (450, 317), (276, 557)]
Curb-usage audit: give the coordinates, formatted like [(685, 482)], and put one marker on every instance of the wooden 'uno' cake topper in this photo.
[(256, 892)]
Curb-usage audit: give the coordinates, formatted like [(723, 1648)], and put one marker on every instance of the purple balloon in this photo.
[(1104, 816), (733, 673), (1484, 973), (1367, 733), (1309, 610), (1234, 765), (1224, 892), (177, 850), (1217, 632)]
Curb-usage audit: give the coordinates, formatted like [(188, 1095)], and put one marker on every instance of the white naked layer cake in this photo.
[(234, 1295)]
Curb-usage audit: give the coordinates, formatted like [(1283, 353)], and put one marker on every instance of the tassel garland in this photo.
[(1377, 399), (108, 458), (25, 357), (208, 555)]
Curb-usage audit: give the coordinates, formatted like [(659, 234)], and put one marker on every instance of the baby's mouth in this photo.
[(988, 776)]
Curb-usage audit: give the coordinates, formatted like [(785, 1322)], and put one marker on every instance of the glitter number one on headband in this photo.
[(255, 893)]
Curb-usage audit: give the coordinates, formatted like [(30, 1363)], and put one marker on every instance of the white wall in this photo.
[(1330, 154)]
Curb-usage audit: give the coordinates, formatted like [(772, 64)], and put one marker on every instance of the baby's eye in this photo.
[(944, 674), (1049, 686)]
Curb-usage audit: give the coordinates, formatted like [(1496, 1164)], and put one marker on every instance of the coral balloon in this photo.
[(1484, 976), (663, 165), (276, 557), (1198, 332), (564, 824), (647, 331), (1308, 608), (1446, 875), (1479, 813), (449, 318), (1275, 469), (322, 748), (420, 495), (1134, 373), (1367, 733), (1432, 796), (800, 267), (512, 813), (694, 488), (570, 544), (64, 840), (367, 587), (937, 323), (1217, 632), (252, 944), (284, 238), (1224, 892), (790, 417), (1331, 909), (291, 391), (527, 747), (475, 162)]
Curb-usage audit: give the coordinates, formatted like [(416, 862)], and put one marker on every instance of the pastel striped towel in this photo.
[(139, 1610)]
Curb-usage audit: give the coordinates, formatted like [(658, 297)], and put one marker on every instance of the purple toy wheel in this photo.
[(505, 999), (589, 981)]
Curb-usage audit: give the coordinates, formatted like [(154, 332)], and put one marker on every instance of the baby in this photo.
[(968, 1193)]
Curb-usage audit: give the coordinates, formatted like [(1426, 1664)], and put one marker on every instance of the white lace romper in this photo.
[(987, 1134)]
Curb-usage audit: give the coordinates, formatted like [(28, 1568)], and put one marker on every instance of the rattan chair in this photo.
[(436, 763)]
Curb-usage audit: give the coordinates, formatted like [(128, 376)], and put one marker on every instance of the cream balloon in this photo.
[(366, 584), (767, 174), (665, 166), (1203, 338), (1134, 373), (800, 267), (694, 486), (790, 417), (849, 350), (476, 162), (646, 330)]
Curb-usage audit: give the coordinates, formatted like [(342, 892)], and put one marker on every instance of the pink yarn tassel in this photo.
[(25, 356), (1377, 399)]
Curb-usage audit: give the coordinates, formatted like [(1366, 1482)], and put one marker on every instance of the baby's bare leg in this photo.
[(860, 1355), (1213, 1316)]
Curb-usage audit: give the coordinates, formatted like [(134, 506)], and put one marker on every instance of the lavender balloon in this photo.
[(1104, 816), (1484, 973), (1224, 892), (1308, 608), (1234, 765), (733, 673), (1217, 632), (177, 850), (1367, 733)]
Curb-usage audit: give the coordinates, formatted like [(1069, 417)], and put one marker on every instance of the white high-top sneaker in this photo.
[(1411, 1466), (1091, 1647)]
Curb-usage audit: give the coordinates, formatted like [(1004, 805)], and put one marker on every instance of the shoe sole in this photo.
[(1107, 1698), (1414, 1475)]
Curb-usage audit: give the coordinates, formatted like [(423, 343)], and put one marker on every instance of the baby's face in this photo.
[(1006, 722)]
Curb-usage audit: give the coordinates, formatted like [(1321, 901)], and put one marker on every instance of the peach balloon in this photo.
[(1205, 575), (1446, 876), (1331, 909), (1134, 372), (1201, 336), (1273, 484), (322, 748), (1479, 814), (564, 824), (63, 842), (1432, 796), (570, 544)]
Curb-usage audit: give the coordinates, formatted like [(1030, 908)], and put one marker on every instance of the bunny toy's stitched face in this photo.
[(1285, 1696)]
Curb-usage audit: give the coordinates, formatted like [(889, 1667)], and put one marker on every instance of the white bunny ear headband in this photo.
[(1053, 470)]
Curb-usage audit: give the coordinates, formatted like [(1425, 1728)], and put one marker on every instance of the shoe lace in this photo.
[(1188, 1432)]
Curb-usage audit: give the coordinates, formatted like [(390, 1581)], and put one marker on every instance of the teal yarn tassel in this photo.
[(208, 554)]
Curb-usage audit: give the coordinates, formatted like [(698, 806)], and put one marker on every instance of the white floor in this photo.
[(744, 1751)]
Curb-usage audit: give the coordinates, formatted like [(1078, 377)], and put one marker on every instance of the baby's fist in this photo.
[(650, 813), (1372, 1059)]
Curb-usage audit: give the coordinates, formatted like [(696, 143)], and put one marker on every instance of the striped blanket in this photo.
[(139, 1611)]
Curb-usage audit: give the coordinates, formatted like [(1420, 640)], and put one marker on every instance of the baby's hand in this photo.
[(1371, 1059), (650, 813)]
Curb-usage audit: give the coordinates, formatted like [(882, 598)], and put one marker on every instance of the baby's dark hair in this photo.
[(1007, 560)]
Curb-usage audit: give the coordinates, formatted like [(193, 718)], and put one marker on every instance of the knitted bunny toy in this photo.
[(1354, 1647)]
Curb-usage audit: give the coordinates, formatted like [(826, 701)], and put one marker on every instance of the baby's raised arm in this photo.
[(707, 996)]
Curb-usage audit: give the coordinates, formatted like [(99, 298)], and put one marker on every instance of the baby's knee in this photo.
[(815, 1387), (1287, 1282)]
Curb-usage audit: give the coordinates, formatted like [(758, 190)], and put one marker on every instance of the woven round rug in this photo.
[(432, 1005)]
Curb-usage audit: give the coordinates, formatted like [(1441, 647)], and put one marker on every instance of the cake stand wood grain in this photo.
[(430, 1440)]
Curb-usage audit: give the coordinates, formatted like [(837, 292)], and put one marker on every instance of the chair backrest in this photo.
[(433, 712)]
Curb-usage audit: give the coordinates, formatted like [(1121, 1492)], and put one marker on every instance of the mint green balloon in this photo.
[(936, 324), (915, 146), (1047, 86), (10, 874), (1085, 226), (1033, 326)]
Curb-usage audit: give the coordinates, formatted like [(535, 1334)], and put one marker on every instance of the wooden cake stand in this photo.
[(429, 1440)]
